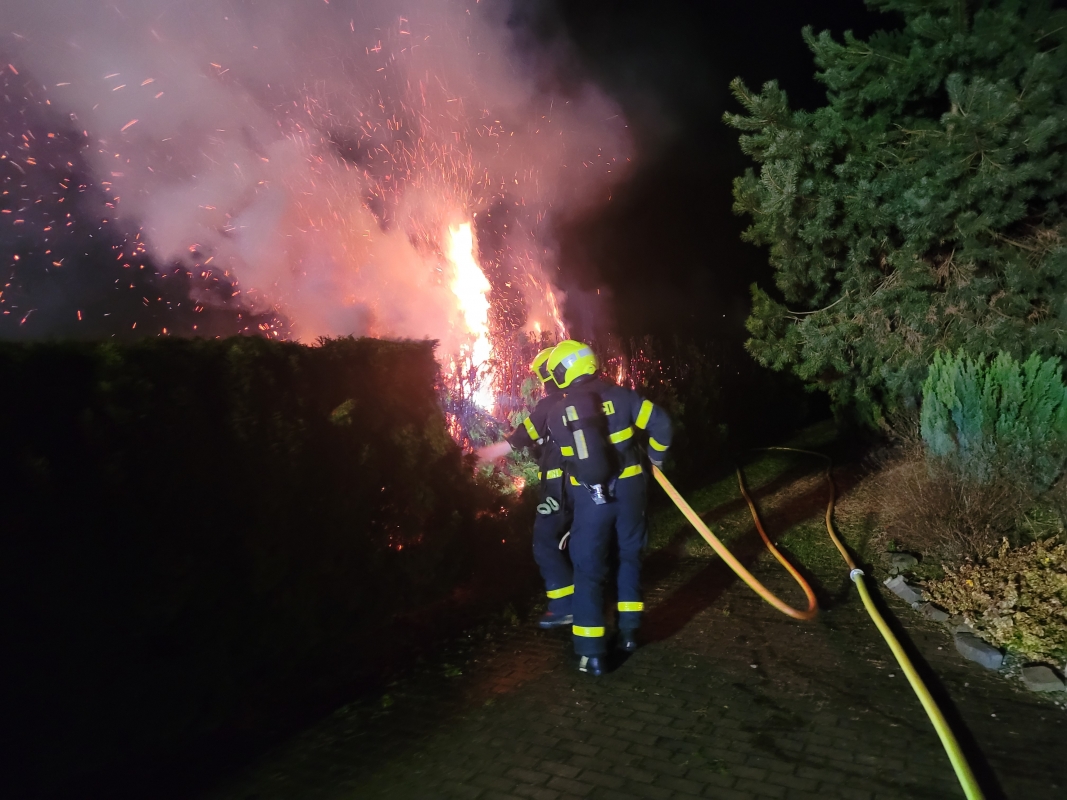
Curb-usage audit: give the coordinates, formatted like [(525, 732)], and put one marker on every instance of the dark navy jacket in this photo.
[(632, 425)]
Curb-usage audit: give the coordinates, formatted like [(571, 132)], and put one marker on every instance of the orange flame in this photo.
[(470, 287)]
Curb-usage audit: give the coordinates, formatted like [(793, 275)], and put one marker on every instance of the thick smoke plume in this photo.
[(310, 155)]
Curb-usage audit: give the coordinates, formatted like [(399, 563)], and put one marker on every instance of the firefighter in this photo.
[(607, 434), (553, 519)]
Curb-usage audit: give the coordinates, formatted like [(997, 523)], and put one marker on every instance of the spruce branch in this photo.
[(797, 314)]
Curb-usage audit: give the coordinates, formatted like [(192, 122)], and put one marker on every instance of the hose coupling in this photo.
[(856, 574)]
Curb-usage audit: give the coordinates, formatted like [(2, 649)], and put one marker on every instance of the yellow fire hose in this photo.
[(948, 739)]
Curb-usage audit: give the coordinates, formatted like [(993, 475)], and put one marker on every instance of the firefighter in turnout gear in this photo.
[(606, 433), (554, 511)]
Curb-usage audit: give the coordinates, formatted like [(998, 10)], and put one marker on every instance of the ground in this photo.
[(727, 698)]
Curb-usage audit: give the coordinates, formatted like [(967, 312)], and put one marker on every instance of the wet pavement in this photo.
[(726, 699)]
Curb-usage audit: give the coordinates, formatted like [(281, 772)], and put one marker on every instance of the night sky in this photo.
[(663, 257), (669, 245)]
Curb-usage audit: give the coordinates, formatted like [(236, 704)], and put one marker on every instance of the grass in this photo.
[(666, 523), (804, 542)]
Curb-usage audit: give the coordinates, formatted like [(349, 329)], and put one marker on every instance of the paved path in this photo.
[(728, 699)]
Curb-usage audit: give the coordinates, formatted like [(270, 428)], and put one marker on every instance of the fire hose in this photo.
[(948, 740)]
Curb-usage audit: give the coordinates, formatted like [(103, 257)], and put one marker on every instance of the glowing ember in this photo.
[(470, 287), (317, 204)]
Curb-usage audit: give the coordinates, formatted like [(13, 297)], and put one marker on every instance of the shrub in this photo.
[(996, 421), (197, 532), (1015, 599), (928, 508)]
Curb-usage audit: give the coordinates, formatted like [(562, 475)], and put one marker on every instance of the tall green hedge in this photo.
[(196, 530)]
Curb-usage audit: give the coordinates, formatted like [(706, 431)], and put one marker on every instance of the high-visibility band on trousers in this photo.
[(631, 606), (589, 633), (552, 473), (556, 594), (656, 445), (566, 450), (621, 436)]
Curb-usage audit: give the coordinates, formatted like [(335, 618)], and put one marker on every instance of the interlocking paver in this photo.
[(687, 715), (536, 793), (760, 788), (574, 787), (602, 779), (720, 793), (651, 792), (562, 770), (682, 785), (529, 776)]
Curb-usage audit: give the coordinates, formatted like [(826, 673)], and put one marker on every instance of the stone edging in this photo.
[(1035, 677)]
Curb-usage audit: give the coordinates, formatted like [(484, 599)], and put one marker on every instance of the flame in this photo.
[(470, 287), (557, 318)]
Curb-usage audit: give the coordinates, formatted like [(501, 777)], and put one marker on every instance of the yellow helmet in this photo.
[(539, 366), (570, 360)]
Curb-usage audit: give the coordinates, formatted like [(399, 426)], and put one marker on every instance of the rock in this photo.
[(900, 588), (970, 646), (930, 611), (902, 562), (1042, 679), (958, 624)]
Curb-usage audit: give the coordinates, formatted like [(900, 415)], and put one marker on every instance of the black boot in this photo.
[(627, 641), (592, 665)]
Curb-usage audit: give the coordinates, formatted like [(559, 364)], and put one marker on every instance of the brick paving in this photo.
[(728, 699)]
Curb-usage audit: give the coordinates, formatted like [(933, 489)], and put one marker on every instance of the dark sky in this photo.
[(669, 244), (665, 254)]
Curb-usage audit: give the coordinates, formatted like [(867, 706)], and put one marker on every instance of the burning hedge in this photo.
[(199, 528)]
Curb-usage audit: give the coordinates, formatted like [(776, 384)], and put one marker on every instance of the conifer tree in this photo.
[(922, 208), (996, 419)]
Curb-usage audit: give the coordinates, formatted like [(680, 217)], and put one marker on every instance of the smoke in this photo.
[(311, 154)]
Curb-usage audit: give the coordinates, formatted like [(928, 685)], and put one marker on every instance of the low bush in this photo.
[(928, 508), (980, 459), (198, 534), (996, 420), (1015, 598)]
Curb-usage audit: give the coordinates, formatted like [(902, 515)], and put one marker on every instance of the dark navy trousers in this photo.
[(555, 564), (595, 529)]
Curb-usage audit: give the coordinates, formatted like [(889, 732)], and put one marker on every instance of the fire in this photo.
[(332, 209), (470, 287)]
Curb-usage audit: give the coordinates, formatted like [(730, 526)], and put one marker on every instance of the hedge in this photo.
[(196, 531)]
